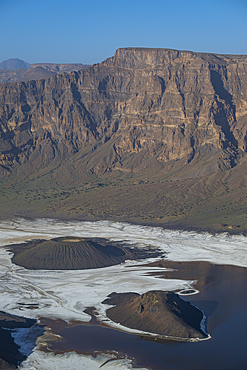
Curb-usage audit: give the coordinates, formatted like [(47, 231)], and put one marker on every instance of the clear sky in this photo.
[(69, 31)]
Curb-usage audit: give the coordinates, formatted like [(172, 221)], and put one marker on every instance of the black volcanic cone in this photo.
[(157, 312), (68, 253)]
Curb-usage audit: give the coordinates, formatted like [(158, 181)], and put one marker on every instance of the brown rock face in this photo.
[(157, 312), (142, 103)]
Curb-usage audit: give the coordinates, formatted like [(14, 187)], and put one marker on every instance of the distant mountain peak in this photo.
[(14, 63)]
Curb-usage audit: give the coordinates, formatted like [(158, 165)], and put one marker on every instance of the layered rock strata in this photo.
[(162, 104)]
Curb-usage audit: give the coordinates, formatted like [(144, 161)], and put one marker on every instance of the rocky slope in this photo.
[(143, 112)]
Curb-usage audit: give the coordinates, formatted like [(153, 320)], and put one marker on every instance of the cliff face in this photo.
[(161, 104)]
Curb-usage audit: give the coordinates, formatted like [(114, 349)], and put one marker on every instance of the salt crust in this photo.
[(65, 294), (48, 361)]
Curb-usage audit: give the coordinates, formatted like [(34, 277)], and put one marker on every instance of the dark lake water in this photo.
[(222, 297)]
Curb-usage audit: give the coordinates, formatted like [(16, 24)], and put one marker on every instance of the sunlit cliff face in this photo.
[(171, 104)]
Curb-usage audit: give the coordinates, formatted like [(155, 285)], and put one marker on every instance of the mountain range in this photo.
[(150, 135), (15, 70)]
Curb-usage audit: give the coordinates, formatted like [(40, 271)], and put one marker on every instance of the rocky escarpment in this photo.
[(140, 108), (157, 312)]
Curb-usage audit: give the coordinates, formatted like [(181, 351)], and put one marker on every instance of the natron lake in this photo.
[(222, 296)]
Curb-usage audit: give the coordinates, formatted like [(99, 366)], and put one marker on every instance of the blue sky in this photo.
[(88, 32)]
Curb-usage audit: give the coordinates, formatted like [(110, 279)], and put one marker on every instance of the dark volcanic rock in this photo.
[(157, 312), (10, 355), (71, 253)]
